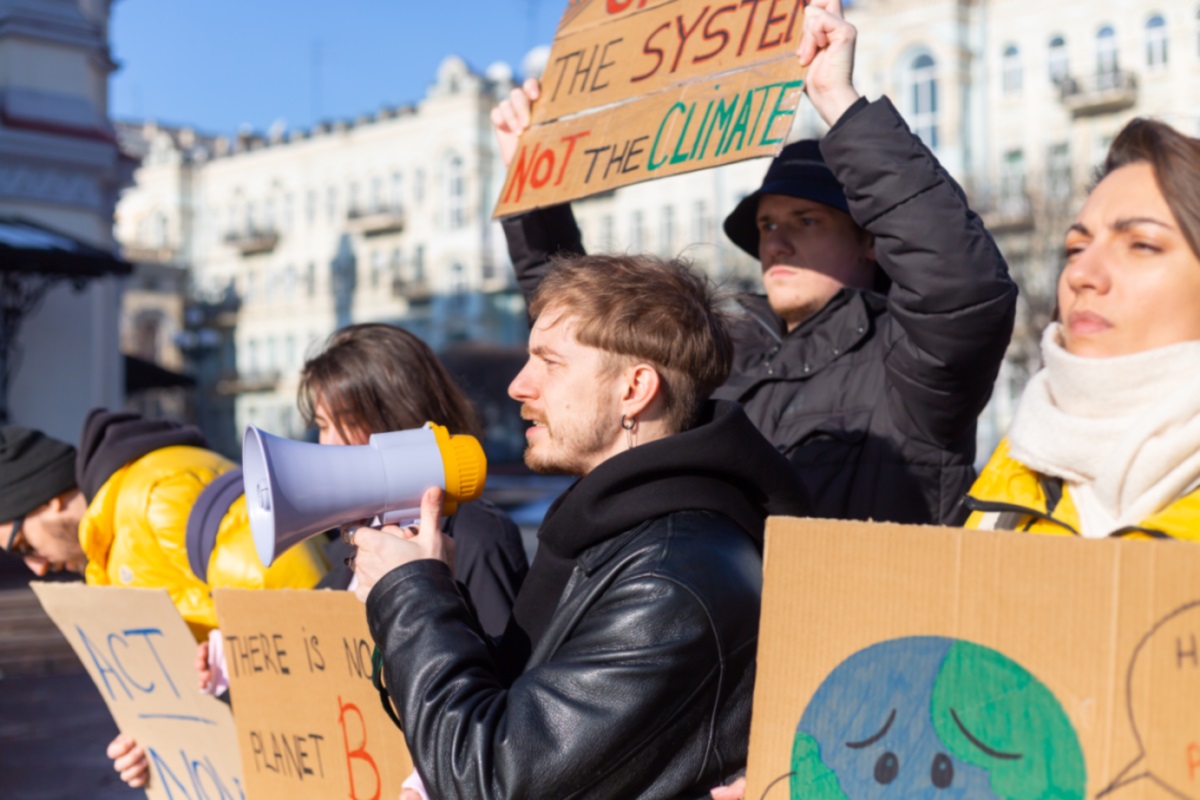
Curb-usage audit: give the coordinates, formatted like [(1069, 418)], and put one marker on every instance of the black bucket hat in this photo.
[(798, 171)]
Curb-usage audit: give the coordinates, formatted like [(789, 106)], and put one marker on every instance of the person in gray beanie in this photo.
[(40, 505)]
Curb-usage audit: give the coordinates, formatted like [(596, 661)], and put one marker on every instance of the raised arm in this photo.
[(951, 299), (533, 237)]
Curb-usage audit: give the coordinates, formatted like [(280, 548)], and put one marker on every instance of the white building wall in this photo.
[(58, 168)]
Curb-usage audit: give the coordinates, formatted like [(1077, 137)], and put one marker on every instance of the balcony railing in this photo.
[(1007, 212), (412, 290), (1103, 93), (246, 382), (148, 254), (251, 241), (376, 220)]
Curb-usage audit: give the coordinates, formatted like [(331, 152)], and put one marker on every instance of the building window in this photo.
[(1058, 62), (667, 232), (607, 233), (331, 203), (376, 194), (921, 91), (1010, 70), (310, 280), (700, 232), (352, 199), (378, 267), (270, 219), (419, 187), (458, 278), (251, 361), (397, 190), (310, 206), (1058, 171), (637, 238), (1156, 41), (250, 217), (249, 287), (1106, 56), (270, 359), (419, 264), (287, 211), (289, 282), (455, 193), (1012, 182)]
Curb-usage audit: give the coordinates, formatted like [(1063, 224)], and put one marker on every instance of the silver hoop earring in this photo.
[(629, 425)]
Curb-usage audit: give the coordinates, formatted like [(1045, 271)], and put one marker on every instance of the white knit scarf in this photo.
[(1127, 427)]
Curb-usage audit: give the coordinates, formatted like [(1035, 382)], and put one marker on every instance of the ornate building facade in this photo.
[(59, 170), (295, 233)]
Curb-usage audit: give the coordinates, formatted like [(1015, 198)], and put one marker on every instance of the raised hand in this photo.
[(511, 118), (827, 49)]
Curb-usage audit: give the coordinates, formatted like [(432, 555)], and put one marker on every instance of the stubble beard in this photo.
[(568, 450)]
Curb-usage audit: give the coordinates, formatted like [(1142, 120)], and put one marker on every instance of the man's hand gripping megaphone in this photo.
[(381, 550)]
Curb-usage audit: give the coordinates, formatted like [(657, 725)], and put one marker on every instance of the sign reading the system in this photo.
[(309, 721), (640, 90)]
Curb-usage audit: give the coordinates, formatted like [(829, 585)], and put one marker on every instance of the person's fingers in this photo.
[(522, 107), (831, 6), (734, 791), (507, 122), (120, 746), (818, 27), (533, 88), (431, 514), (130, 760)]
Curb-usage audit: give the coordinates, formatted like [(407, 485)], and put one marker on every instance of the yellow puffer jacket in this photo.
[(135, 530), (1010, 496)]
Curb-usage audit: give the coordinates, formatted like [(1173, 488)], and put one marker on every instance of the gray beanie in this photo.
[(34, 469)]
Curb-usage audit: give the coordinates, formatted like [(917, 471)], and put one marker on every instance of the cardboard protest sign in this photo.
[(309, 721), (637, 89), (901, 661), (141, 656)]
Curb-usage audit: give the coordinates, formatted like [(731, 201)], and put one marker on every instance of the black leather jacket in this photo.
[(642, 610), (675, 602)]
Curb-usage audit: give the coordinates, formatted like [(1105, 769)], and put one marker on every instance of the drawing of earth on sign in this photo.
[(938, 718)]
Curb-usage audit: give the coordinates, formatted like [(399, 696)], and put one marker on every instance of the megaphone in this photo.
[(295, 490)]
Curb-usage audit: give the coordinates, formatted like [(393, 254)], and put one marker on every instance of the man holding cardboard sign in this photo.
[(628, 666), (888, 306)]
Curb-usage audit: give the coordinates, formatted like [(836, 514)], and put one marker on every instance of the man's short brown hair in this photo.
[(644, 308)]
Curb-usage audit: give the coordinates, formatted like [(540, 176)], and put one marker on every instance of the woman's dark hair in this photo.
[(1175, 159), (377, 378)]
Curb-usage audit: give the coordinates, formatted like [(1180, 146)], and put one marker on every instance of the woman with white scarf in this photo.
[(1106, 439)]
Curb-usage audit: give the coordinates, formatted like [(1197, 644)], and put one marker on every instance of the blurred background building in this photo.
[(251, 248), (59, 174)]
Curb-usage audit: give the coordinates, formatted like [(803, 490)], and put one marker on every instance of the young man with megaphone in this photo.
[(628, 666)]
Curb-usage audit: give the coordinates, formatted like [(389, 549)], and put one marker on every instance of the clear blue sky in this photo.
[(217, 64)]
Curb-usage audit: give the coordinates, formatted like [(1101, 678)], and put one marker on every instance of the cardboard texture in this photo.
[(897, 661), (309, 721), (634, 91), (141, 655)]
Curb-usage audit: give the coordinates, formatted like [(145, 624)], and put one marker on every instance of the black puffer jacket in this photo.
[(639, 684), (874, 399)]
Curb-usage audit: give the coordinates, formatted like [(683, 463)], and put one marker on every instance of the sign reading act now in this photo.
[(642, 89)]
